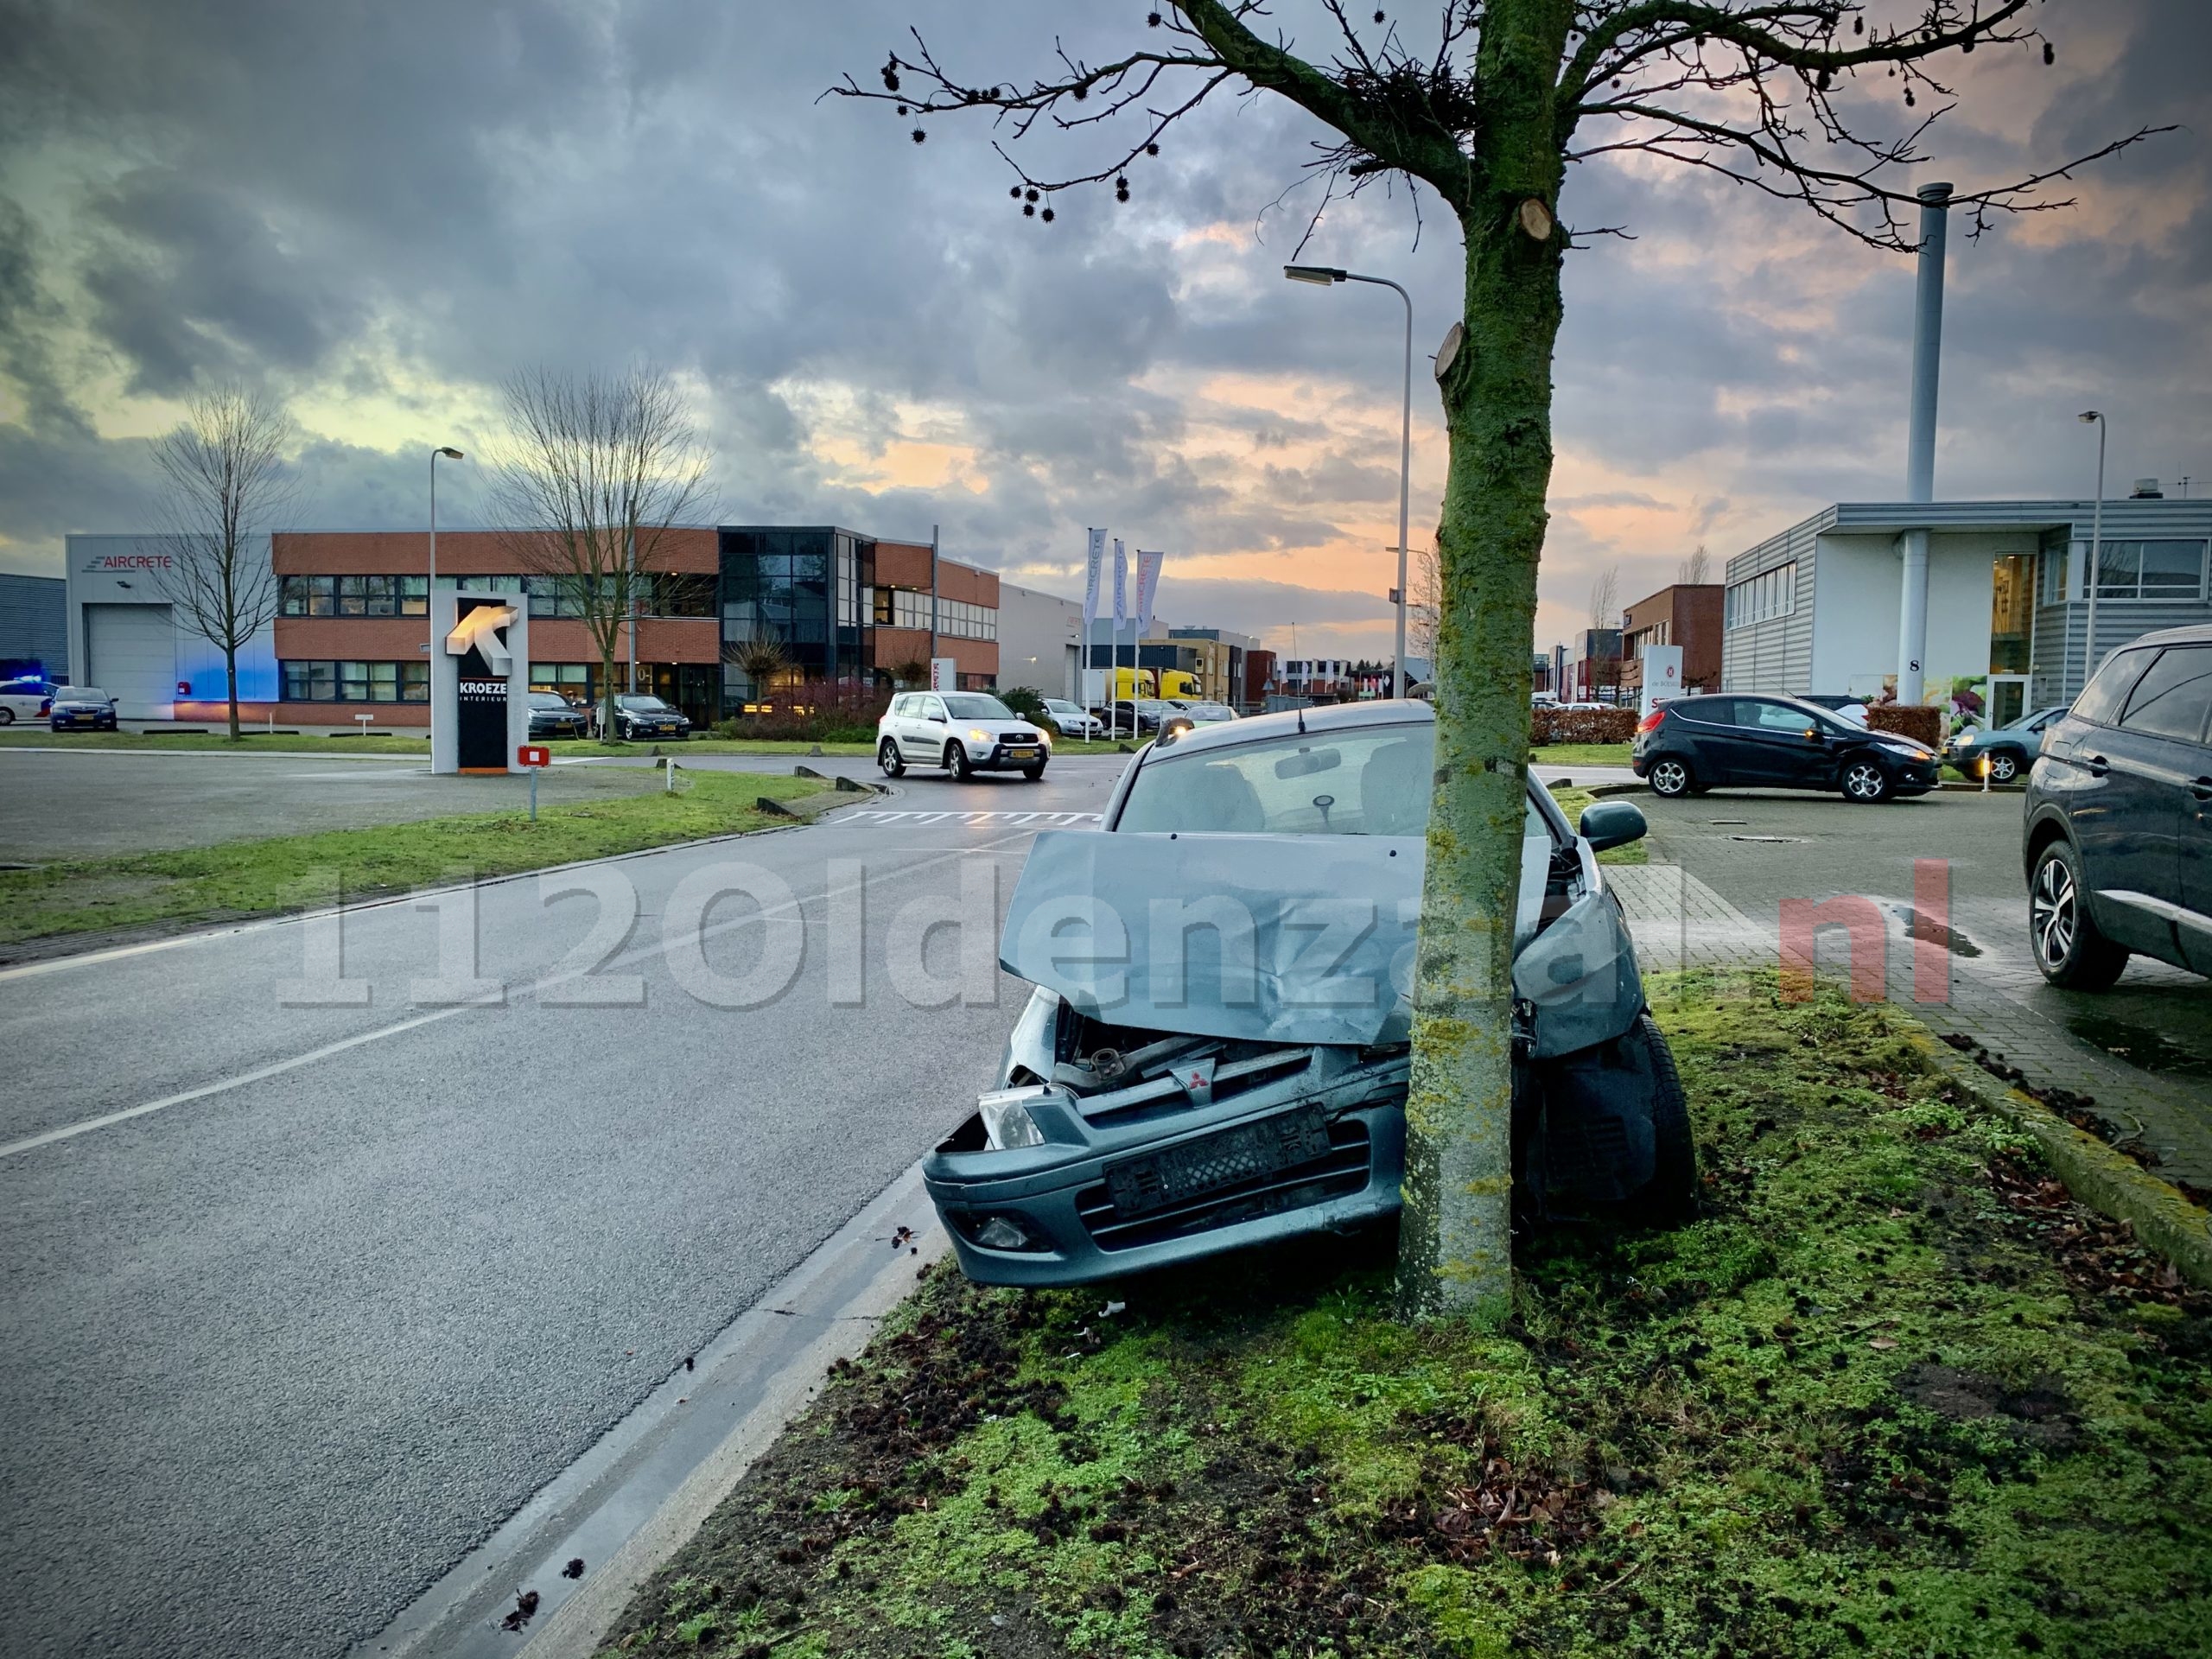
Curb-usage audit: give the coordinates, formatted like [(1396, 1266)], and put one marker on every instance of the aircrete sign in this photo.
[(100, 561)]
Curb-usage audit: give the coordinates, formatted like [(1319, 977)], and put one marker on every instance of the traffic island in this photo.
[(1892, 1392)]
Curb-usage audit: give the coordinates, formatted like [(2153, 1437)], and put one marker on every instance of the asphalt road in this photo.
[(302, 1301)]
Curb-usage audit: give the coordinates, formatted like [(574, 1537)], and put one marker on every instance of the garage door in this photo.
[(133, 653)]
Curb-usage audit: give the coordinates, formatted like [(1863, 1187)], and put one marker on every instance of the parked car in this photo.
[(554, 716), (638, 715), (1073, 721), (2009, 750), (81, 709), (1127, 718), (1157, 1102), (2118, 836), (26, 700), (1689, 745), (1188, 716), (964, 732)]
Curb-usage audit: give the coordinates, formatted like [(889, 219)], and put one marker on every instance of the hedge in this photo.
[(1908, 720), (1582, 724)]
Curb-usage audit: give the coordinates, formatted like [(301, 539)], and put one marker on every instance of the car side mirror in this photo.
[(1813, 734), (1613, 824)]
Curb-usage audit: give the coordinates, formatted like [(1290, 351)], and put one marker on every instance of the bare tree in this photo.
[(1779, 95), (224, 484), (1424, 606), (1605, 598), (595, 469), (1695, 571)]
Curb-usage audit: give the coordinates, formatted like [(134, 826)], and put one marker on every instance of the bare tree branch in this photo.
[(595, 470), (223, 486)]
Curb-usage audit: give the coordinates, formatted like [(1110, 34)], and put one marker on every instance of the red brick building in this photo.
[(1686, 614), (352, 635)]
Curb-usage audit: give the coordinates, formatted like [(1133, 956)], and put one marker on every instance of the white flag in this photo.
[(1121, 581), (1091, 579), (1147, 589)]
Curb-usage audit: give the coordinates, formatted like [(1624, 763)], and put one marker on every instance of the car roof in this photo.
[(2194, 633), (1325, 717)]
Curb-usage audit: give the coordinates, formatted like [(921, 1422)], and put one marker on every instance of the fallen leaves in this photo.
[(525, 1609)]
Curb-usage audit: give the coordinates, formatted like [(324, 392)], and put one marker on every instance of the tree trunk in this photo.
[(1455, 1251), (609, 730), (230, 680)]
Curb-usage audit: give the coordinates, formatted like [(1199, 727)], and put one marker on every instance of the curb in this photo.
[(806, 809), (2106, 1180)]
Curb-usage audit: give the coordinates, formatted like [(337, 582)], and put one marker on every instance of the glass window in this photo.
[(1372, 782), (414, 682), (1771, 716), (2100, 700), (978, 709), (1710, 711), (2173, 569), (2172, 698), (414, 595)]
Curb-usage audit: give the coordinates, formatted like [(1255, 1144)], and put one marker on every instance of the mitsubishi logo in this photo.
[(481, 630)]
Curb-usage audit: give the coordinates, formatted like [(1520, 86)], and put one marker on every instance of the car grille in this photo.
[(1221, 1180)]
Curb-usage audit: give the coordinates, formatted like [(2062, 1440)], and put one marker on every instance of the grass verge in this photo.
[(1579, 754), (253, 878), (1891, 1392), (393, 743)]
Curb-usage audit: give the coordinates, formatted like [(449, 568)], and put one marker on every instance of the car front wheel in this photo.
[(2004, 766), (1865, 782), (1035, 774), (1671, 1193), (1670, 778), (7, 716), (2069, 950), (887, 757), (956, 762)]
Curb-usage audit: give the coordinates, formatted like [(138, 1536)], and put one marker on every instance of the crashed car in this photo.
[(1217, 1051)]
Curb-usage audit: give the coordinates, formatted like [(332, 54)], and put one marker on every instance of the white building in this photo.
[(1816, 609), (125, 636), (1040, 642)]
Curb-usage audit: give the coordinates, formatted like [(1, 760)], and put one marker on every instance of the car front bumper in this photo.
[(1001, 757), (1320, 1150), (83, 722)]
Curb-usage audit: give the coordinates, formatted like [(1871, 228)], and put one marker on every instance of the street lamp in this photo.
[(429, 590), (1327, 275), (2093, 417)]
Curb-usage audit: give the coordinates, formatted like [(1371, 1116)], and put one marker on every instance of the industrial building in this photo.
[(1817, 608), (350, 634), (34, 628)]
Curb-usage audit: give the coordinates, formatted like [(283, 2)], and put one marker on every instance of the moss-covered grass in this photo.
[(266, 742), (1891, 1392), (240, 879)]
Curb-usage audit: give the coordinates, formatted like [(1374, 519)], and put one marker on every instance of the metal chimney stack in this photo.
[(1920, 443)]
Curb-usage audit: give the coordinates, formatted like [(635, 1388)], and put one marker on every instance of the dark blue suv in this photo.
[(2119, 836)]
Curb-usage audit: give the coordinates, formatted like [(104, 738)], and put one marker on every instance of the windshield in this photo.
[(645, 705), (973, 707), (1369, 781), (80, 694), (547, 700)]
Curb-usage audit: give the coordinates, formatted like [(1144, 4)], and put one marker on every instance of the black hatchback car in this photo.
[(2118, 842), (1693, 744)]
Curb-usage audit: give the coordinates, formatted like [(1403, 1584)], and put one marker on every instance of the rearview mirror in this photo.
[(1611, 824), (1307, 762)]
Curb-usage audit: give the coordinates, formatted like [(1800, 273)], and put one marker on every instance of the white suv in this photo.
[(964, 732)]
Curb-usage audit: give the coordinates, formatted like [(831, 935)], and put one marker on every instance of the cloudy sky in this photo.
[(379, 208)]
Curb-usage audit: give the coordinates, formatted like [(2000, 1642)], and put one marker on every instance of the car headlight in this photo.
[(1006, 1122), (1964, 739), (974, 736), (1899, 748)]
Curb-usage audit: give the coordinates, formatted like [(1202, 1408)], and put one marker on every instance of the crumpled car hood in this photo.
[(1268, 938)]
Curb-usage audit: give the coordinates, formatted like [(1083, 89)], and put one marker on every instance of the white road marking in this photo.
[(879, 816), (70, 1131)]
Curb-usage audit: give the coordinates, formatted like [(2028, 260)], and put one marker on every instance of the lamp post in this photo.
[(2095, 417), (428, 591), (1327, 275)]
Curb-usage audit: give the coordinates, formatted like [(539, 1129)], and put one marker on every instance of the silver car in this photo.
[(2009, 750), (1215, 1052)]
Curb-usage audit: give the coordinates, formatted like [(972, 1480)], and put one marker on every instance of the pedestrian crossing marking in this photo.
[(915, 815)]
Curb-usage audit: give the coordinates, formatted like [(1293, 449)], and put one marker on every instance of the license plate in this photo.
[(1252, 1151), (1021, 754)]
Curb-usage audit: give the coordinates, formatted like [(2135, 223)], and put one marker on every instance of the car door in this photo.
[(930, 728), (1772, 747), (1706, 727), (2155, 767)]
